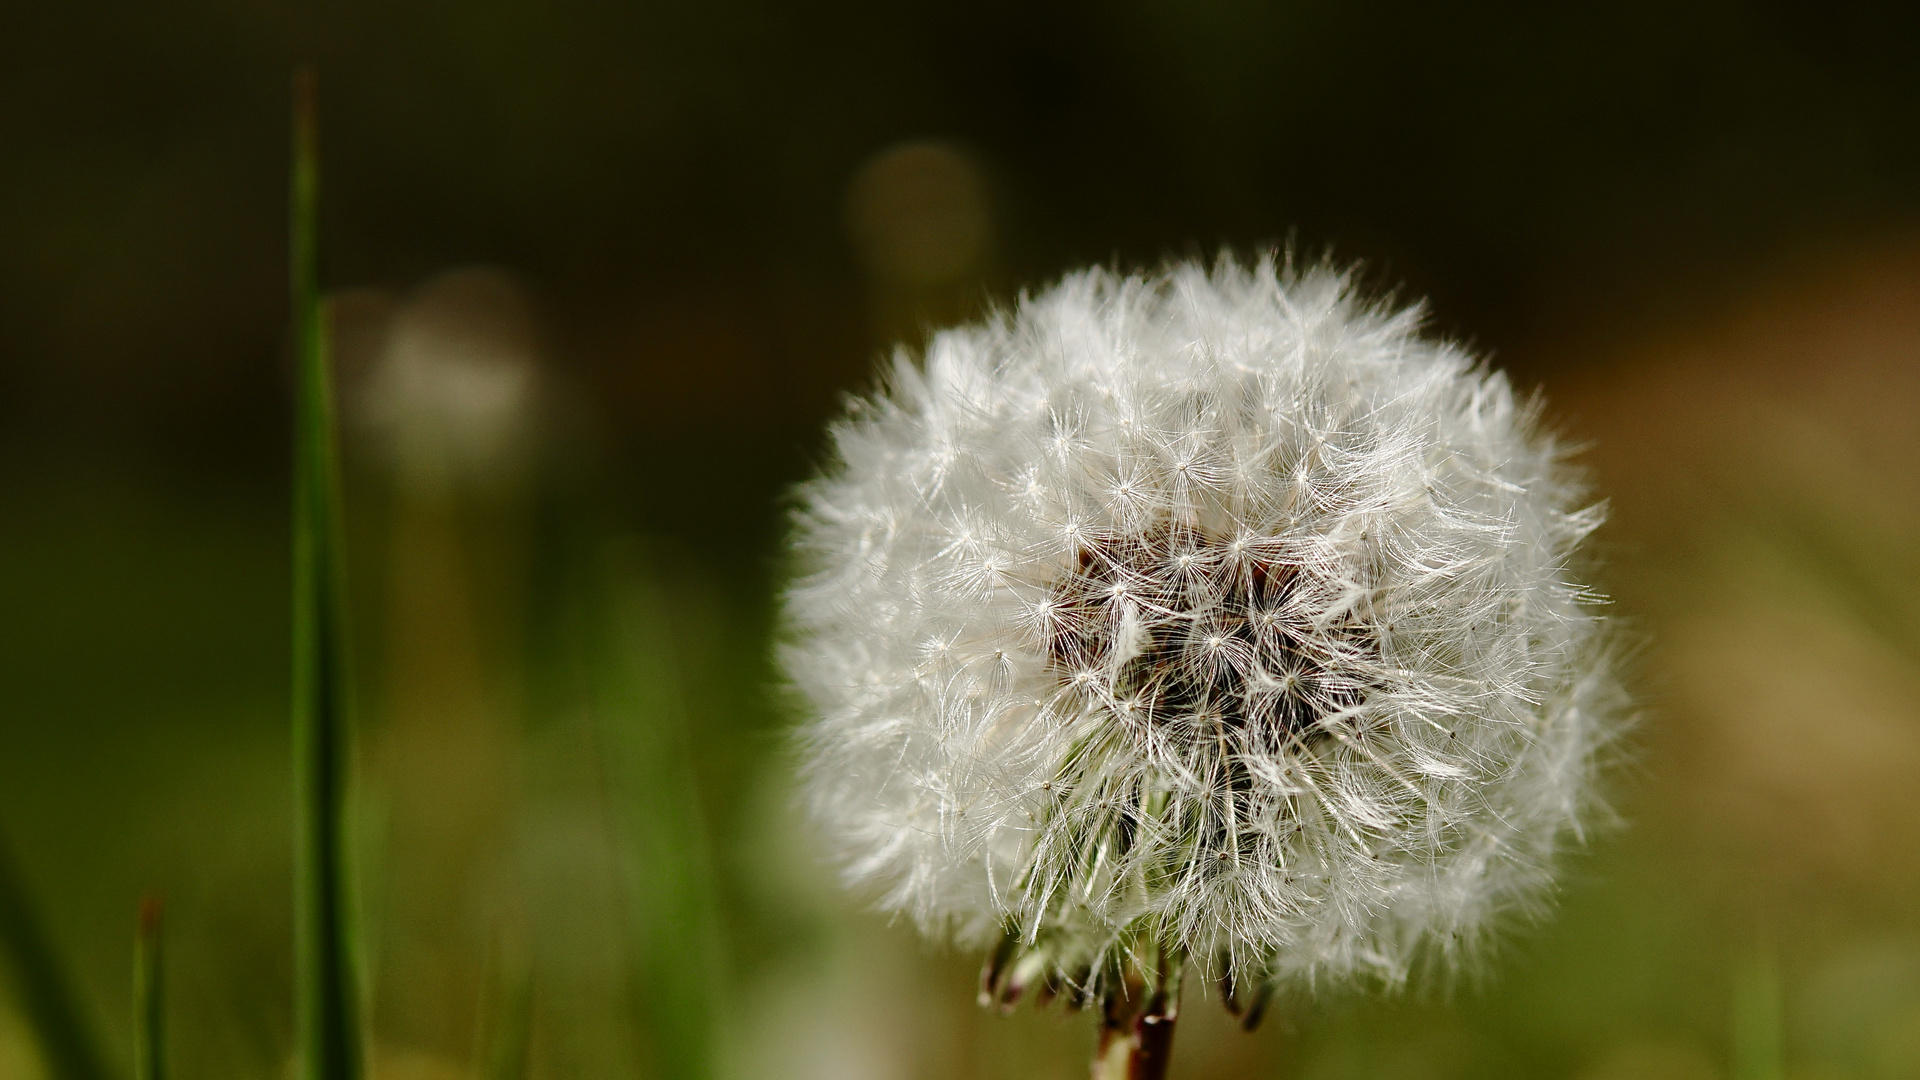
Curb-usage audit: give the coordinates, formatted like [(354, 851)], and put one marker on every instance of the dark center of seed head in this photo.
[(1176, 630)]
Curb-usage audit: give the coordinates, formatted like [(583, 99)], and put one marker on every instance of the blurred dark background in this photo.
[(605, 270), (671, 181)]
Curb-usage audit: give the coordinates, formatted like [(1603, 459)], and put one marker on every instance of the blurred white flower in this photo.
[(1213, 615), (455, 383)]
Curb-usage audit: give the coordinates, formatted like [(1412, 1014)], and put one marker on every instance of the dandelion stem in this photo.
[(327, 1017), (1137, 1021), (149, 1002)]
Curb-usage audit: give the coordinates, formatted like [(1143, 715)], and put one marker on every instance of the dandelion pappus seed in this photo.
[(1164, 689), (1258, 702)]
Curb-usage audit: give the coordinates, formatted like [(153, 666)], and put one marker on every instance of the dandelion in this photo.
[(1211, 620)]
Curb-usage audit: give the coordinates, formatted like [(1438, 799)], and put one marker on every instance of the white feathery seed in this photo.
[(1217, 608)]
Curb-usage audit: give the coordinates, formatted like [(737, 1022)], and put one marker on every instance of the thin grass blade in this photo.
[(149, 997), (642, 727), (326, 994), (42, 987), (503, 1033), (1757, 1043)]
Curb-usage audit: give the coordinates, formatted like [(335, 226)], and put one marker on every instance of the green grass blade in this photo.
[(1758, 1053), (41, 986), (643, 734), (503, 1035), (149, 997), (326, 998)]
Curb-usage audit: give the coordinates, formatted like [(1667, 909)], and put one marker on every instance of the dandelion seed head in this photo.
[(1219, 606)]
